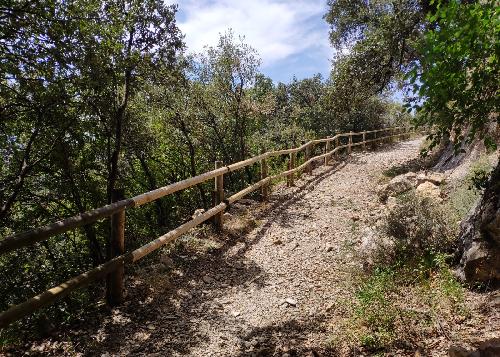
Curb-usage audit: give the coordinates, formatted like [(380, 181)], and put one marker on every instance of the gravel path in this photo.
[(268, 292)]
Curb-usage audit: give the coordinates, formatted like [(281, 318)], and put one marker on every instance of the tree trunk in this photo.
[(192, 158), (89, 229), (152, 184), (24, 169)]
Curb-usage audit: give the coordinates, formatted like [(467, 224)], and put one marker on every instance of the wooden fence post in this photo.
[(364, 139), (116, 247), (263, 175), (291, 166), (336, 146), (293, 159), (218, 196), (328, 148), (349, 146), (308, 156)]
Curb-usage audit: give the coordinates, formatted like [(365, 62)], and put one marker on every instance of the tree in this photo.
[(222, 75), (375, 40), (68, 73), (456, 80)]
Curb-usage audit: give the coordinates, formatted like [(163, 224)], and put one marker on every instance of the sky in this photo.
[(290, 36)]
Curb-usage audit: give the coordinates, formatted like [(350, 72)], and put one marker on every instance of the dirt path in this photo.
[(267, 292)]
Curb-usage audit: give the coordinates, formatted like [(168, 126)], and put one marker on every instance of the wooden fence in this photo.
[(113, 270)]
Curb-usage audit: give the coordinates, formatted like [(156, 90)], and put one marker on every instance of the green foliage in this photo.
[(395, 305), (456, 78), (97, 95), (375, 39), (479, 174), (375, 310), (409, 292)]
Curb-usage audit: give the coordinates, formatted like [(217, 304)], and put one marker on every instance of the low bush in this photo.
[(419, 226), (407, 298)]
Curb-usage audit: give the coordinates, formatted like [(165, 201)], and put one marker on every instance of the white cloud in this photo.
[(277, 29)]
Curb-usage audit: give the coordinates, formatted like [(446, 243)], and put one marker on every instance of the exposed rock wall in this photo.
[(480, 237)]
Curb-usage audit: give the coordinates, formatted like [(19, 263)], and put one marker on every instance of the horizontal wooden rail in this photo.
[(39, 234)]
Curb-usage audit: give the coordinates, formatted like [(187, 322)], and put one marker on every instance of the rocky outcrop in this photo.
[(426, 184), (480, 237), (489, 348)]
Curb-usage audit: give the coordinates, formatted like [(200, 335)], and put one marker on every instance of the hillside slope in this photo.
[(269, 286)]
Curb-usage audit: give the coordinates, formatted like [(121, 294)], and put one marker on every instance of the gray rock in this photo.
[(207, 279), (480, 236), (493, 228), (481, 262), (396, 186), (411, 176), (488, 348), (291, 302), (166, 261), (375, 248)]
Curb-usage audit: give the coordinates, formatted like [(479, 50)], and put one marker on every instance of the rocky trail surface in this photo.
[(266, 288)]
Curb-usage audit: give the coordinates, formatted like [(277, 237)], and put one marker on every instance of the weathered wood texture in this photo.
[(293, 159), (263, 175), (116, 247), (328, 148), (218, 196)]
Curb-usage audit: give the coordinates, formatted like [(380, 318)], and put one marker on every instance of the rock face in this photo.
[(480, 238), (479, 262)]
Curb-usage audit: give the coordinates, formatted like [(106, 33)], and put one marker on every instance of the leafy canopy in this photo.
[(457, 77)]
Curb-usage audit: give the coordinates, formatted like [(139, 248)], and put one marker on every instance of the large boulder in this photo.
[(411, 176), (481, 262), (429, 190), (488, 348), (396, 186)]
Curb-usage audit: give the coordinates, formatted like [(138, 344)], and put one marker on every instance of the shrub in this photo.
[(479, 174), (419, 226)]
